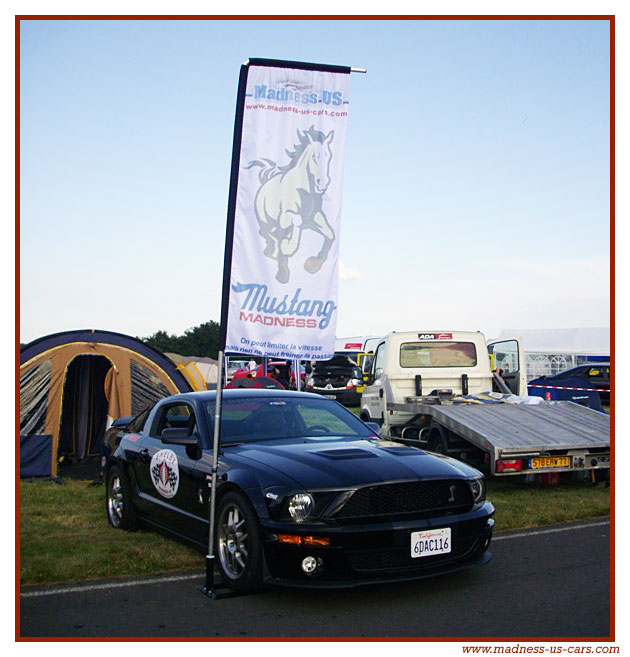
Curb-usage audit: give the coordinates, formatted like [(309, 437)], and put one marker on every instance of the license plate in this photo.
[(430, 542), (550, 462), (330, 396)]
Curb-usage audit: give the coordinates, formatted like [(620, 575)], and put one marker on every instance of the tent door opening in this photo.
[(84, 408)]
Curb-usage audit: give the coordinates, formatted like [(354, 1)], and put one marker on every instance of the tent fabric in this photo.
[(35, 456), (198, 370), (188, 367), (577, 341), (74, 384), (34, 383)]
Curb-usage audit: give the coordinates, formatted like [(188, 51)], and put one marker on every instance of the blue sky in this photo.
[(476, 184)]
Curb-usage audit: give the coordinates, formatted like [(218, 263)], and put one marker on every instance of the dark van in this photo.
[(339, 378)]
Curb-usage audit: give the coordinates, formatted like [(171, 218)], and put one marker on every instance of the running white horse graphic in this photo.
[(289, 200)]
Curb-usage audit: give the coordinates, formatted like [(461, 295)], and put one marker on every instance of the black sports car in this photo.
[(308, 494)]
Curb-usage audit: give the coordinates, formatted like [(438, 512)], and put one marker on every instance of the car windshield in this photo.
[(266, 418)]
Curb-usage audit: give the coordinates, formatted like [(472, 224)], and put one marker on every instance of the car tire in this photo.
[(239, 544), (120, 513)]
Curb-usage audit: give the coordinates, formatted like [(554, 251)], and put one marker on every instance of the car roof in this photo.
[(241, 393)]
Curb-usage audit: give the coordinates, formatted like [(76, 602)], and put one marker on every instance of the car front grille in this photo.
[(334, 381), (420, 498), (374, 561)]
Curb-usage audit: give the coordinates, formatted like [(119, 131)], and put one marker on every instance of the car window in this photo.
[(179, 415), (252, 420), (379, 362), (505, 356), (137, 424), (567, 374)]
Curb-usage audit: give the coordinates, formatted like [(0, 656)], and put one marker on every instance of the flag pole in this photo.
[(208, 588)]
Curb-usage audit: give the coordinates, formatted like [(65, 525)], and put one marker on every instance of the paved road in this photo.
[(549, 584)]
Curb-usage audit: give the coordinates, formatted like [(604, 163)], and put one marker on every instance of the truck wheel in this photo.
[(438, 443), (365, 416)]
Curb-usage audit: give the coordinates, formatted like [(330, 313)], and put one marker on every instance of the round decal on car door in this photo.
[(165, 472)]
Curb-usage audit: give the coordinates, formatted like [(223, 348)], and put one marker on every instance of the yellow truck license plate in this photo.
[(550, 462)]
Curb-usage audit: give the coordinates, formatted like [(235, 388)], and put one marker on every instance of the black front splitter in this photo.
[(313, 583)]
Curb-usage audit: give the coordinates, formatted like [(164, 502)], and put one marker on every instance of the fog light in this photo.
[(309, 565)]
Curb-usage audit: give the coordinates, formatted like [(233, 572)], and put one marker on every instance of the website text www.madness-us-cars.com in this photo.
[(540, 650)]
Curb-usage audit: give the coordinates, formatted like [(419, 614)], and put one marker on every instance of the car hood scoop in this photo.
[(346, 453), (345, 463)]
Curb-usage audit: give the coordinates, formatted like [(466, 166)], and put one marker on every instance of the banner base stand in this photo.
[(211, 589), (217, 593)]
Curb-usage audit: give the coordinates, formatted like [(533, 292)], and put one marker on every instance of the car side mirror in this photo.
[(178, 436)]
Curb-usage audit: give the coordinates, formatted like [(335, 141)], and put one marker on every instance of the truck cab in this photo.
[(414, 364)]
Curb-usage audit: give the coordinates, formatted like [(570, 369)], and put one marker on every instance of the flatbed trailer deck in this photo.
[(578, 436)]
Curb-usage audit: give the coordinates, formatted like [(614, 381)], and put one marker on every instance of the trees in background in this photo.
[(202, 340)]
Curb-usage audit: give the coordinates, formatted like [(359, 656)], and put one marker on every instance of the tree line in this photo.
[(202, 340)]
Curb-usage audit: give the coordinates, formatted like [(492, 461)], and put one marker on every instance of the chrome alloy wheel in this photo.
[(115, 501), (232, 541)]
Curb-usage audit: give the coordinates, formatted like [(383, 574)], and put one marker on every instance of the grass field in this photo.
[(521, 505), (65, 536)]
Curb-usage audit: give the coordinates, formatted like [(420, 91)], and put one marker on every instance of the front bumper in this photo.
[(377, 552), (342, 395)]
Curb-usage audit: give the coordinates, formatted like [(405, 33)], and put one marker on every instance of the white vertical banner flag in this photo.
[(284, 267)]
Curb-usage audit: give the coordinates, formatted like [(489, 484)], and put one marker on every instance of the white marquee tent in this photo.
[(549, 351)]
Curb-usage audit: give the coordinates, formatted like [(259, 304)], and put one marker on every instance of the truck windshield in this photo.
[(438, 354)]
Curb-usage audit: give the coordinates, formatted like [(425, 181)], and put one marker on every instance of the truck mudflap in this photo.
[(520, 438)]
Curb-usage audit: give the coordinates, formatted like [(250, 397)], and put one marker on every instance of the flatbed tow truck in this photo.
[(500, 432)]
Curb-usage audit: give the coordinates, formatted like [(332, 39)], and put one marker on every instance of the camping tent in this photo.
[(199, 371), (74, 384)]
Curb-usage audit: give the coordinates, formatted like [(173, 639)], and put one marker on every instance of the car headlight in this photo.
[(300, 506), (478, 489)]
